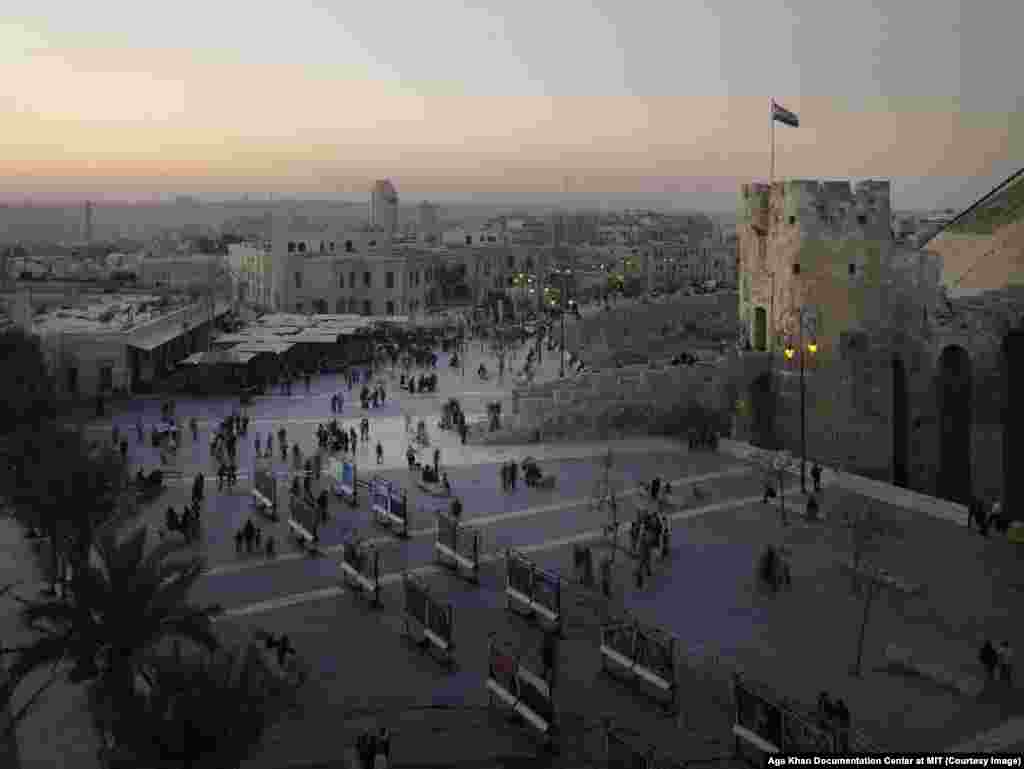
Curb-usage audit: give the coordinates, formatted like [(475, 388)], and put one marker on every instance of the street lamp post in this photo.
[(811, 348)]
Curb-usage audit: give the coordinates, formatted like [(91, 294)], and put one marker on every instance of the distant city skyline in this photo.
[(114, 101)]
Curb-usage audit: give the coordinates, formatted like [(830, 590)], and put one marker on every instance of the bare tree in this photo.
[(775, 465)]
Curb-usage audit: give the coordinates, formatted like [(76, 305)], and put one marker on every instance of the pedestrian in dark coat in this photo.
[(989, 659)]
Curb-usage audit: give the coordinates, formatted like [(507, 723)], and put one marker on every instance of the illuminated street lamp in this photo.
[(789, 351)]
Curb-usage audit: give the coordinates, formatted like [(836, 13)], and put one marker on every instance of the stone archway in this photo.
[(900, 423), (760, 329), (955, 417)]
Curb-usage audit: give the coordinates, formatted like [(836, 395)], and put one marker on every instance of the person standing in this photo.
[(380, 454), (437, 460), (816, 476)]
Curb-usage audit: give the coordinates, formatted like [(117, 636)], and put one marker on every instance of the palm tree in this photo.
[(201, 711), (56, 483), (121, 604)]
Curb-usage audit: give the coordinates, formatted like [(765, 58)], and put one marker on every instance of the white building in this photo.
[(427, 224), (384, 207)]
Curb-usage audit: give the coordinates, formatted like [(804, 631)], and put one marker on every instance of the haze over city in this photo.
[(115, 101)]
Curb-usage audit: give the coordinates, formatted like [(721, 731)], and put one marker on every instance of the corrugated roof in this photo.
[(220, 357), (257, 345)]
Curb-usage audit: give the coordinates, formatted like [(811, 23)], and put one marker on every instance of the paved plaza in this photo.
[(797, 642)]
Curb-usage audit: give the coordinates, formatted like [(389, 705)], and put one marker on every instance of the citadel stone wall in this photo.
[(653, 330)]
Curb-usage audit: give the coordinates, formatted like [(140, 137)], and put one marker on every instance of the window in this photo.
[(302, 248), (428, 274), (367, 279), (469, 240), (339, 307), (291, 247), (298, 280), (796, 268), (416, 278), (510, 261), (373, 242), (391, 308), (390, 282), (333, 244), (348, 246), (352, 306), (367, 307), (792, 220), (862, 219), (852, 269), (341, 280), (298, 307), (351, 280)]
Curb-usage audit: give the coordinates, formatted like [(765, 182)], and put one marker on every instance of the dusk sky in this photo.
[(124, 100)]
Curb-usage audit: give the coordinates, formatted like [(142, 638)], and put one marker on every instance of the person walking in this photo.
[(256, 443), (989, 659), (437, 460), (380, 454), (249, 532), (193, 423), (1005, 657), (139, 431), (382, 759), (238, 541), (816, 476), (322, 504), (550, 657)]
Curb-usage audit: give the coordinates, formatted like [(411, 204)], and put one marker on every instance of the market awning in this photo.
[(260, 346), (220, 357), (150, 341)]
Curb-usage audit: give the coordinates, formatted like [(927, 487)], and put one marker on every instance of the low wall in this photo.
[(655, 329), (627, 400)]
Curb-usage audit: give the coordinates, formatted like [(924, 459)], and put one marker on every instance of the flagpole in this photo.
[(771, 119)]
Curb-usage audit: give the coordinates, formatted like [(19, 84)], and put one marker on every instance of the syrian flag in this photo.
[(783, 115)]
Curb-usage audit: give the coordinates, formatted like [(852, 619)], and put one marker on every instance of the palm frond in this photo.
[(19, 715)]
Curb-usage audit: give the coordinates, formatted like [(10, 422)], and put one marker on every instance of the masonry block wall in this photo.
[(627, 400), (642, 328)]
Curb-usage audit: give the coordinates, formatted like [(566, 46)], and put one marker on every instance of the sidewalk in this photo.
[(1009, 735), (867, 487)]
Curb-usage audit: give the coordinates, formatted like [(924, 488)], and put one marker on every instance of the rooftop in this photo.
[(109, 313)]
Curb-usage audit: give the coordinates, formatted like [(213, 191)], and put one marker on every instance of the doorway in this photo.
[(955, 417), (760, 329), (900, 427)]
